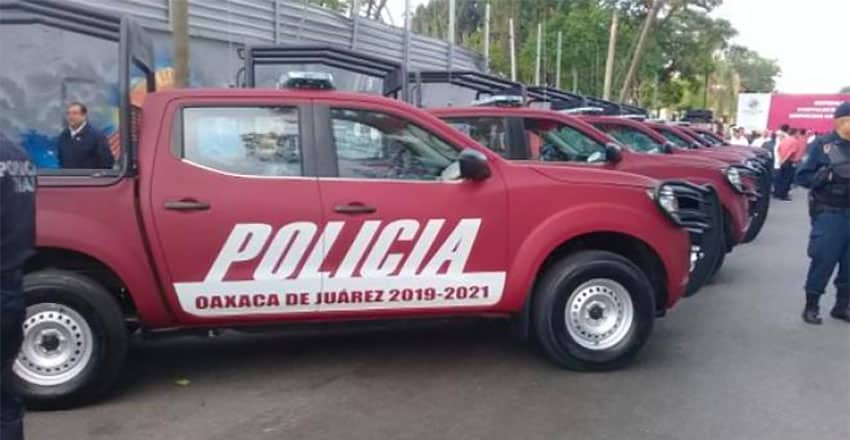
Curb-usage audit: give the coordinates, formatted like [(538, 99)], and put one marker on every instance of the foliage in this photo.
[(687, 49), (756, 74), (845, 89)]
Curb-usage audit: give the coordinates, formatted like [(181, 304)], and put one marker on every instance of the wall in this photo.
[(53, 67)]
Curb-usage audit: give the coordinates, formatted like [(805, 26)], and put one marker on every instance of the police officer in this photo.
[(825, 170), (17, 239)]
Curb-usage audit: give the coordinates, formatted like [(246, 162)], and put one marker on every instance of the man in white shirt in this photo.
[(738, 138)]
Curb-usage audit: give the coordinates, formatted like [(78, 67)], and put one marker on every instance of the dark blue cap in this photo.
[(842, 110)]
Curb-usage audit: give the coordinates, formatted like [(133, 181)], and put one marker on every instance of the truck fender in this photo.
[(129, 262), (599, 217)]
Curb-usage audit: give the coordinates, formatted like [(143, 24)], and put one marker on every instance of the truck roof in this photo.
[(167, 95)]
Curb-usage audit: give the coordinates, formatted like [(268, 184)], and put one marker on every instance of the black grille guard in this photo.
[(697, 207)]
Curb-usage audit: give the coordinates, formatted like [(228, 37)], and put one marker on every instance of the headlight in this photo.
[(666, 200), (733, 176)]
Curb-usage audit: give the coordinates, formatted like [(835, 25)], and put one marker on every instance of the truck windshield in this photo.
[(676, 139), (632, 137), (550, 141)]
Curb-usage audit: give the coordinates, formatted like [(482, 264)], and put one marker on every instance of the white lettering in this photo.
[(286, 251), (420, 249), (379, 262), (456, 249), (357, 249), (320, 249), (244, 243)]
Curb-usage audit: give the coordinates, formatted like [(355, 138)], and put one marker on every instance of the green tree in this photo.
[(757, 74), (845, 89)]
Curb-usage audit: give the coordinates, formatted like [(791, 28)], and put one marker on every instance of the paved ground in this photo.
[(735, 362)]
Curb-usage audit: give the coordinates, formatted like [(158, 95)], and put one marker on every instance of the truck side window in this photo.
[(554, 142), (489, 132), (631, 136), (374, 145), (249, 141)]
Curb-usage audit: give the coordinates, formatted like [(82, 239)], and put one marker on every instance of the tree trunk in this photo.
[(641, 45)]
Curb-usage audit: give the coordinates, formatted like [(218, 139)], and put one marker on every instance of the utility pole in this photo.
[(609, 62), (487, 37), (558, 61), (180, 41), (539, 48), (639, 47), (451, 34), (512, 43), (451, 22)]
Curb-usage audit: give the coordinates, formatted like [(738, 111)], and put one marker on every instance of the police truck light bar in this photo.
[(307, 80), (499, 101)]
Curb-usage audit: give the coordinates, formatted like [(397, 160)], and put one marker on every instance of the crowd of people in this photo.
[(787, 146)]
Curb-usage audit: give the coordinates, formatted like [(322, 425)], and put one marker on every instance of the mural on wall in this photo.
[(54, 67)]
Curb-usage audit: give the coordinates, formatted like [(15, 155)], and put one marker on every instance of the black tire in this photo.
[(103, 315), (556, 287), (760, 211), (717, 268)]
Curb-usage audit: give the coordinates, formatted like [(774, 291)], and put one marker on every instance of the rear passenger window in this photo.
[(248, 141), (374, 145), (489, 132)]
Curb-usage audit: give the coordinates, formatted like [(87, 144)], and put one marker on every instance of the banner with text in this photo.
[(813, 112)]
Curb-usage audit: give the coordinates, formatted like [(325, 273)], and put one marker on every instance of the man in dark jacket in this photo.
[(17, 242), (825, 170), (81, 146)]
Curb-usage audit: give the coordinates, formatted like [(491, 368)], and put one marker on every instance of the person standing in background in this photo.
[(81, 146), (825, 170), (784, 157), (761, 139), (738, 137), (17, 244)]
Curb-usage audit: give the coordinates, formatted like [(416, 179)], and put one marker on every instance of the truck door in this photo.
[(406, 232), (235, 208)]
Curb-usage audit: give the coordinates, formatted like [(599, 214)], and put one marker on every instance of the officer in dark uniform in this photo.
[(17, 240), (825, 170)]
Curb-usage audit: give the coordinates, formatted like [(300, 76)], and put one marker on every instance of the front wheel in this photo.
[(74, 340), (593, 310)]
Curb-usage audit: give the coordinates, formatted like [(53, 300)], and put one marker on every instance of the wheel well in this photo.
[(54, 258), (625, 245)]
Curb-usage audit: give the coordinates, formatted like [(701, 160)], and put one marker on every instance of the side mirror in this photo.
[(668, 148), (613, 153), (473, 165)]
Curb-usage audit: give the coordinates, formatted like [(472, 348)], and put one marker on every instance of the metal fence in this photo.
[(288, 21)]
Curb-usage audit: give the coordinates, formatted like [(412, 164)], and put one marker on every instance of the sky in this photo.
[(809, 38)]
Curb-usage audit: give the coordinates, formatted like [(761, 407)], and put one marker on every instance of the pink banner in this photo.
[(813, 112)]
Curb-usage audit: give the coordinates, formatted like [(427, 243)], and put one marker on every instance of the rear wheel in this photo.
[(593, 310), (74, 340)]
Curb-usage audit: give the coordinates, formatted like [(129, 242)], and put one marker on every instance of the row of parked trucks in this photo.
[(248, 208)]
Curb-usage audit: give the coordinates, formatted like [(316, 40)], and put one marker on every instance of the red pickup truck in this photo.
[(743, 228), (245, 208)]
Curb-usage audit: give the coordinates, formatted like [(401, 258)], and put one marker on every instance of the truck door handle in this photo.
[(354, 208), (187, 205)]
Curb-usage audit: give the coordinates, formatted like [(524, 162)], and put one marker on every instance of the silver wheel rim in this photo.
[(58, 345), (599, 314)]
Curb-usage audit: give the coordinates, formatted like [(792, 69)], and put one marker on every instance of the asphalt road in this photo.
[(734, 362)]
